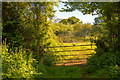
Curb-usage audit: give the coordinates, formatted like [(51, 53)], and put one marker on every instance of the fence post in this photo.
[(91, 45), (84, 38), (91, 42)]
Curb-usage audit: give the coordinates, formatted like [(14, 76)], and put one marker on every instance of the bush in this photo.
[(109, 72), (101, 61), (104, 66), (114, 72), (101, 73), (48, 59), (17, 64)]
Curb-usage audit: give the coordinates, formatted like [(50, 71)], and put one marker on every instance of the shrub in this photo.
[(101, 73), (114, 72), (104, 66), (101, 61), (17, 64), (109, 72)]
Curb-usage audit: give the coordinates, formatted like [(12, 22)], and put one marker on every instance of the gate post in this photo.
[(91, 42)]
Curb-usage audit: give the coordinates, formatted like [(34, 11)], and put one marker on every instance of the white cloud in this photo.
[(64, 0), (64, 15)]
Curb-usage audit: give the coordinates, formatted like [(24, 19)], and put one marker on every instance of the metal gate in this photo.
[(69, 57)]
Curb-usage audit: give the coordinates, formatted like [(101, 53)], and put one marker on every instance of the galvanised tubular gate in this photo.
[(72, 51), (71, 46)]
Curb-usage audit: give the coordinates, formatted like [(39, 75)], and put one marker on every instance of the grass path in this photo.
[(80, 65), (85, 75), (83, 67)]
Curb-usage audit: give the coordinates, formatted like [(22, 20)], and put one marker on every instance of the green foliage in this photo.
[(110, 72), (64, 21), (37, 28), (101, 61), (17, 64), (70, 20), (105, 65), (73, 20), (108, 18), (49, 59), (30, 25), (75, 32), (101, 73), (96, 31), (63, 32), (83, 30), (114, 72), (41, 71), (11, 20)]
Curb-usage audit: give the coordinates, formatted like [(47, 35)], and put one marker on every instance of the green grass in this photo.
[(63, 72)]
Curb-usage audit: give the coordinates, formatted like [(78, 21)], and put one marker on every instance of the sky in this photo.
[(64, 15)]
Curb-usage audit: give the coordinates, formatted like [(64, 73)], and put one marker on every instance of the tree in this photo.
[(109, 15), (63, 31), (83, 30), (64, 21), (96, 31), (37, 31), (70, 20), (73, 20), (11, 26), (29, 21)]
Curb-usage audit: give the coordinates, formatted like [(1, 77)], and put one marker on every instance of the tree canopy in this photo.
[(70, 20), (108, 16), (26, 24)]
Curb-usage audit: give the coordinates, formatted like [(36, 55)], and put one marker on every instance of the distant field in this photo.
[(62, 58)]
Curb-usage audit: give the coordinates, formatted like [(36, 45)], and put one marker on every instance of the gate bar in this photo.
[(69, 46), (72, 50)]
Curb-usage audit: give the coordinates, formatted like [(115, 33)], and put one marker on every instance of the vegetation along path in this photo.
[(74, 58)]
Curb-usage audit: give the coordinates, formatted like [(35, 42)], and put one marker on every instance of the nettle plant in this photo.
[(17, 64)]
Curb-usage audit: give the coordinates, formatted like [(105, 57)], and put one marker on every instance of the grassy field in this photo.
[(65, 55)]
